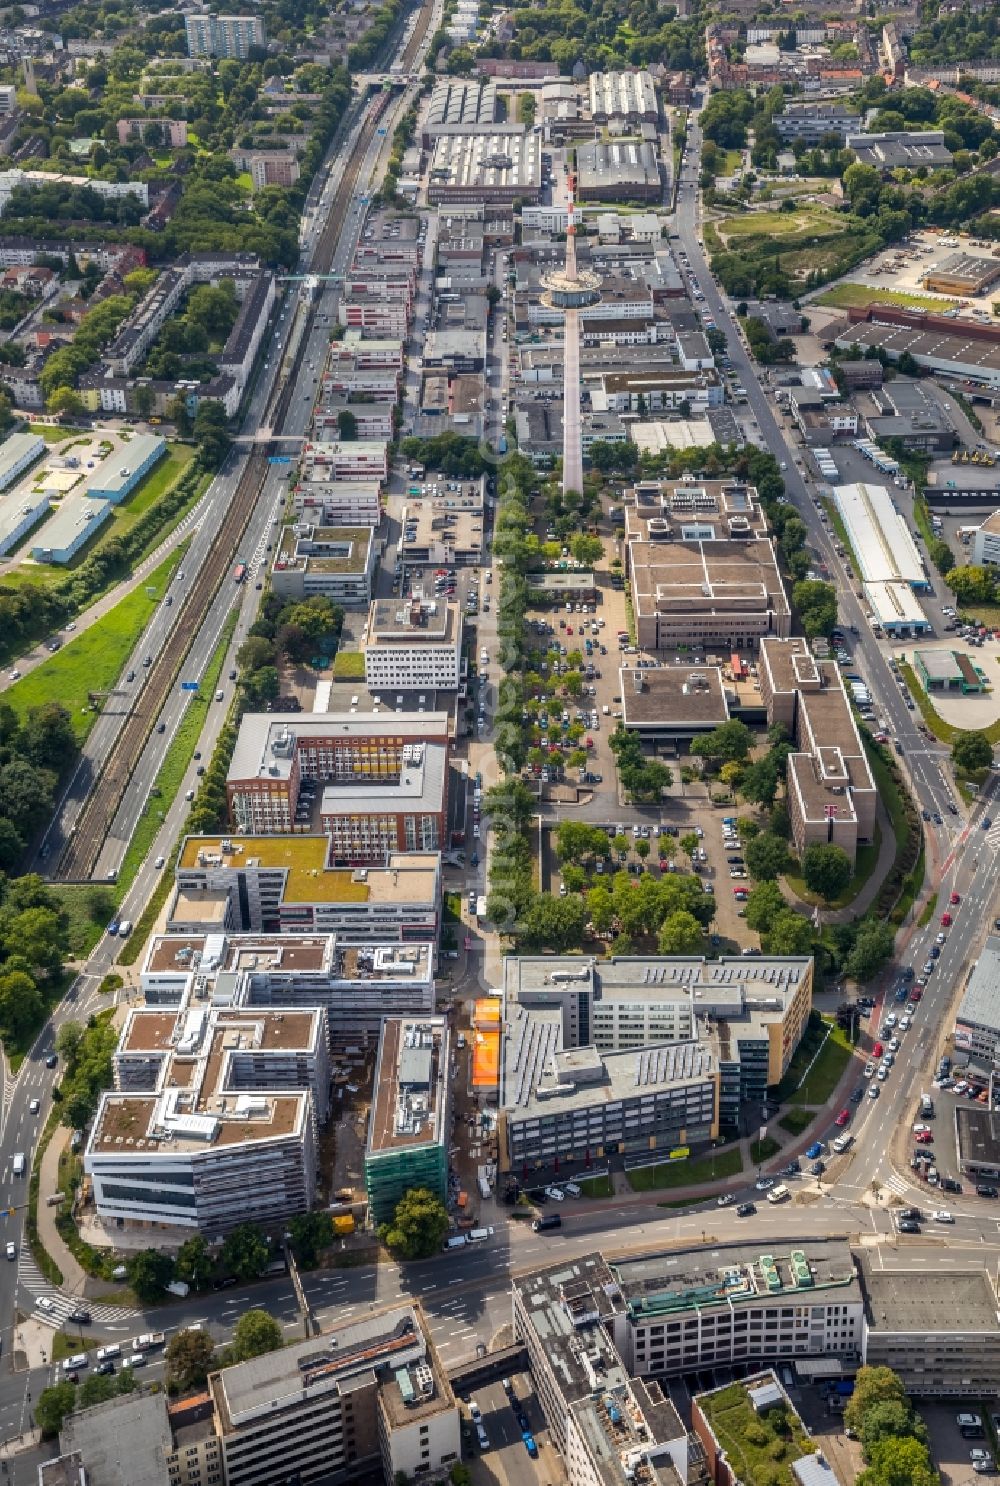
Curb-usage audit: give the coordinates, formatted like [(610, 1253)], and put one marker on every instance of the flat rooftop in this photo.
[(289, 953), (733, 1274), (408, 877), (268, 742), (978, 1134), (404, 622), (962, 1303), (676, 697), (411, 1083), (977, 271), (980, 1005), (721, 577), (421, 786), (951, 348)]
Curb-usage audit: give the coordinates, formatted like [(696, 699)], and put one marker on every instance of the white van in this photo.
[(125, 927), (74, 1363), (458, 1241), (105, 1354), (842, 1143), (19, 1164), (778, 1194)]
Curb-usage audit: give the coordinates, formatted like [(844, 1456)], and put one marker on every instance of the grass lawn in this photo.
[(175, 763), (160, 479), (597, 1186), (348, 665), (88, 907), (687, 1173), (66, 1344), (833, 1056), (453, 907), (928, 711), (760, 1448), (93, 661), (54, 433), (816, 220), (729, 161), (864, 866), (848, 296), (796, 1120), (889, 795), (763, 1150)]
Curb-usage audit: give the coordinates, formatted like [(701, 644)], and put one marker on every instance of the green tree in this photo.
[(972, 584), (245, 1252), (621, 843), (311, 1233), (600, 905), (68, 1041), (194, 1262), (826, 869), (21, 1005), (728, 743), (689, 844), (189, 1355), (64, 401), (347, 426), (971, 751), (817, 606), (586, 549), (680, 934), (759, 784), (764, 904), (873, 945), (254, 1334), (899, 1462), (417, 1227), (554, 923), (149, 1274), (789, 934), (766, 856), (890, 1417), (54, 1405), (872, 1385)]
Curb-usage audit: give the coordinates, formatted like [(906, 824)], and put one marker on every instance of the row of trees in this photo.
[(894, 1439), (33, 931)]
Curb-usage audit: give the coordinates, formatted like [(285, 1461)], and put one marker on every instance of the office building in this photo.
[(213, 1117), (943, 1339), (357, 985), (371, 1395), (336, 562), (233, 36), (977, 1021), (412, 645), (276, 753), (672, 704), (138, 1439), (811, 121), (745, 1013), (409, 1126), (703, 594), (611, 1428), (288, 884), (832, 794), (367, 820)]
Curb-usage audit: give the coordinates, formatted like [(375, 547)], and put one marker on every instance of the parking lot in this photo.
[(950, 1451)]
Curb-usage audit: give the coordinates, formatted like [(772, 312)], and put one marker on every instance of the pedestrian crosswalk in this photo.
[(896, 1184), (993, 837), (52, 1306)]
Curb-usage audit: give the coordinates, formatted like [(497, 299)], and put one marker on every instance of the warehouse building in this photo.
[(287, 884), (623, 98), (832, 794), (912, 414), (970, 352), (895, 608), (17, 454), (409, 1126), (462, 105), (879, 537), (618, 171), (486, 167), (76, 520), (962, 273), (117, 476), (18, 515)]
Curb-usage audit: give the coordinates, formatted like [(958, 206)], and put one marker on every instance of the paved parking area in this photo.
[(950, 1452)]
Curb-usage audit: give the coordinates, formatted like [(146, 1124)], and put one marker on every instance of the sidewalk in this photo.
[(74, 1278)]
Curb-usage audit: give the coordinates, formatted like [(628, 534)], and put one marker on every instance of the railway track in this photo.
[(80, 854)]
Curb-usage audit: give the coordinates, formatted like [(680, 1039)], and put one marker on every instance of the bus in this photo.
[(239, 572)]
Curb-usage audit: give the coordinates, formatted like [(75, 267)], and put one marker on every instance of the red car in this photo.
[(954, 899), (916, 992), (843, 1117), (924, 1138), (946, 920), (877, 1050)]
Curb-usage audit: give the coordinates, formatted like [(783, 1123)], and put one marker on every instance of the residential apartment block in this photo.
[(409, 1126), (413, 645), (224, 35), (288, 884), (832, 794), (213, 1117), (276, 753)]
